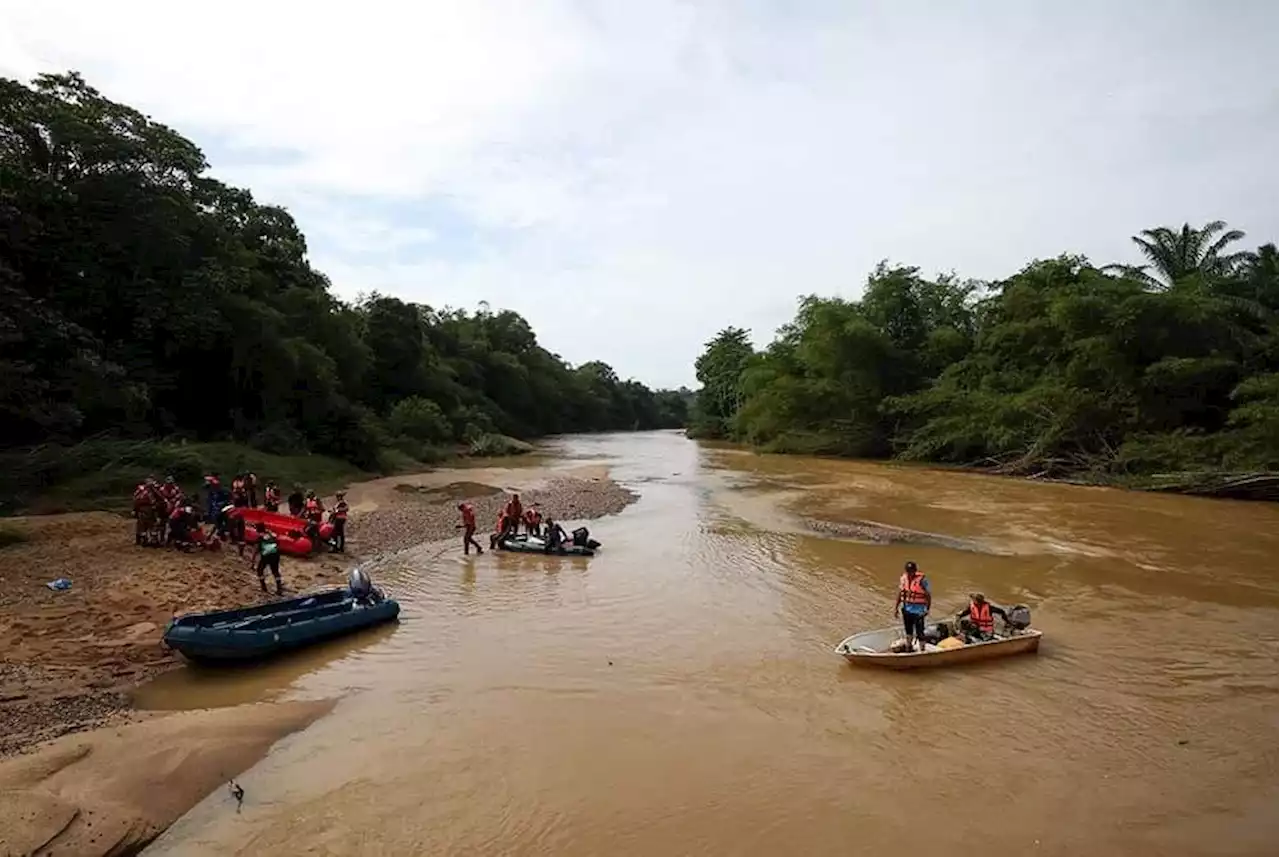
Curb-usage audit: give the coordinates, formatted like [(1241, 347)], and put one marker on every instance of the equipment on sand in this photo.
[(250, 633)]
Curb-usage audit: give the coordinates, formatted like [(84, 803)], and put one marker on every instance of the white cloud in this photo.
[(634, 176)]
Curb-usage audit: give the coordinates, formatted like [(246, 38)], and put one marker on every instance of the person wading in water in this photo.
[(468, 527)]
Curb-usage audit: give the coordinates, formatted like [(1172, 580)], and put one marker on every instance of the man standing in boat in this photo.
[(914, 600)]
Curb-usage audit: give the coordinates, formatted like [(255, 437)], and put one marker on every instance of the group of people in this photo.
[(975, 623), (511, 517), (165, 515)]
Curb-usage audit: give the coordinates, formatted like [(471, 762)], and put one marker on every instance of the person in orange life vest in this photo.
[(468, 527), (271, 499), (170, 493), (533, 521), (978, 620), (147, 507), (515, 512), (338, 517), (313, 512), (914, 600), (504, 529)]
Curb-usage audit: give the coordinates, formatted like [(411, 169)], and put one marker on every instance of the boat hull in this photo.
[(1027, 642), (268, 630), (522, 545)]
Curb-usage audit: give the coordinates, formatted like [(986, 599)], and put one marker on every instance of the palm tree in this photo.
[(1175, 255)]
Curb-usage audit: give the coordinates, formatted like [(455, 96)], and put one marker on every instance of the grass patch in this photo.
[(101, 474)]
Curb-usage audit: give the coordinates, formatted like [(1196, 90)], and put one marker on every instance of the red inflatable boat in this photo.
[(290, 532)]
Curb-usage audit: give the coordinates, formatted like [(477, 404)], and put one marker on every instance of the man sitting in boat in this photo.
[(554, 537), (914, 600), (977, 621)]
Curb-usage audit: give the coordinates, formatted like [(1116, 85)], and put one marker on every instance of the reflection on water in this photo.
[(677, 693)]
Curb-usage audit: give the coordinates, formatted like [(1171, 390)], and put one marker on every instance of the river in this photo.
[(677, 694)]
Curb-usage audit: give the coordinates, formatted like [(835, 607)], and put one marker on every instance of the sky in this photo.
[(634, 176)]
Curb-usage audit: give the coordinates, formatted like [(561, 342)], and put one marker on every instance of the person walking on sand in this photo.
[(914, 601), (266, 553), (338, 518), (468, 527)]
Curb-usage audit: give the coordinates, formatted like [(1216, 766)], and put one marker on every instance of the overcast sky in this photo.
[(633, 176)]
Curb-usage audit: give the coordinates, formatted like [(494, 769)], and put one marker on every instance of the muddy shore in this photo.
[(69, 659)]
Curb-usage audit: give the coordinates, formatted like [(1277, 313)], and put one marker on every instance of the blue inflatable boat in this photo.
[(251, 633)]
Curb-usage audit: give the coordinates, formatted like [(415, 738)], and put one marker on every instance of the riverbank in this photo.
[(70, 658)]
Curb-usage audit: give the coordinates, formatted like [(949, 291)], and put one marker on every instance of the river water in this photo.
[(677, 694)]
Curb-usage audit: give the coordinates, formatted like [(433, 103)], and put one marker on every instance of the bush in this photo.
[(497, 445), (421, 419)]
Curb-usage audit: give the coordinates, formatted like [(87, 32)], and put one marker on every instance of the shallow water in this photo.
[(678, 694)]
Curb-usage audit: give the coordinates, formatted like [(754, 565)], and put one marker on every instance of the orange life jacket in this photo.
[(468, 515), (980, 614), (313, 510), (913, 591), (340, 511)]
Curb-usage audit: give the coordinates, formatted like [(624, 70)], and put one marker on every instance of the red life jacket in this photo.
[(468, 515), (980, 614), (340, 511), (913, 591)]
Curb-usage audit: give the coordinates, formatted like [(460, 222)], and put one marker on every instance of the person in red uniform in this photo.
[(239, 497), (170, 493), (515, 512), (146, 511), (338, 517), (313, 512), (503, 529), (468, 527), (271, 499), (533, 521), (979, 616)]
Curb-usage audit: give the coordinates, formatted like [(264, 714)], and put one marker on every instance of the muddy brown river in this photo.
[(677, 694)]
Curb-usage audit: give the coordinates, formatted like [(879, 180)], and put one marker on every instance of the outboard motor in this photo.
[(361, 587), (580, 537), (1019, 616)]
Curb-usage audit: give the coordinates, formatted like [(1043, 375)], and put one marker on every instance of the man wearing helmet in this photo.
[(914, 600)]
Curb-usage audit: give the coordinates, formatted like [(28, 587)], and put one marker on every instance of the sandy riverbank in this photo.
[(68, 660)]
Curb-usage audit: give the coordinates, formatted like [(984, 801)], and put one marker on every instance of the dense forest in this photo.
[(1066, 369), (141, 298)]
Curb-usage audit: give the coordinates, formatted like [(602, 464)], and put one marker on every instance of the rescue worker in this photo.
[(914, 600), (183, 522), (338, 517), (170, 493), (146, 511), (977, 620), (533, 521), (239, 496), (251, 489), (266, 553), (504, 529), (313, 512), (296, 501), (222, 523), (217, 497), (555, 536), (271, 499), (515, 512), (468, 527)]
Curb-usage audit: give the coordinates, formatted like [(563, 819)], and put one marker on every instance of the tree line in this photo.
[(140, 297), (1065, 369)]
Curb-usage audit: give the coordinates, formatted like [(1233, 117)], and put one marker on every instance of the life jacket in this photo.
[(502, 522), (514, 510), (273, 496), (529, 517), (340, 511), (314, 510), (468, 515), (913, 591), (237, 486), (142, 496), (980, 615)]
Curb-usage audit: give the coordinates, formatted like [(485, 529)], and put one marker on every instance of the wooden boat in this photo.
[(250, 633), (533, 544), (871, 649)]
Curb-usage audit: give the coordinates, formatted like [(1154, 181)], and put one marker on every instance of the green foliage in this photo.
[(496, 445), (139, 298), (98, 474), (1061, 369)]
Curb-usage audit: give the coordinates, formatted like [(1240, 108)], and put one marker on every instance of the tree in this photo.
[(719, 370), (1187, 252)]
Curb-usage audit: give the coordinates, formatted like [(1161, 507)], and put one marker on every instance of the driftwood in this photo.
[(1235, 486)]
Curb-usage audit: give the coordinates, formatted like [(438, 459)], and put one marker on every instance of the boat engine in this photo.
[(361, 587), (1019, 616), (582, 538)]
